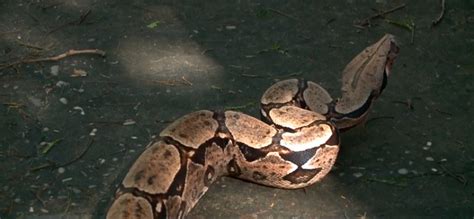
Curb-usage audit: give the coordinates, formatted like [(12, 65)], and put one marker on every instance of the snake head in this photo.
[(363, 80)]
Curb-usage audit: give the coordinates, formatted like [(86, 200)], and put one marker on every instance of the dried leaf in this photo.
[(78, 73), (153, 24), (50, 145)]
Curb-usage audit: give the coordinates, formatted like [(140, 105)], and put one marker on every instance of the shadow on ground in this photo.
[(64, 144)]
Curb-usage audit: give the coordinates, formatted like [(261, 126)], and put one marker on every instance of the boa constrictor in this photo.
[(296, 147)]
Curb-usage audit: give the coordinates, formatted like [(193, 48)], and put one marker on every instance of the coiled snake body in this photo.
[(296, 147)]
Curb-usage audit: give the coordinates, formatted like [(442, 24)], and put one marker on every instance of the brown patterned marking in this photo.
[(128, 206), (280, 92), (267, 176), (193, 129), (159, 206), (302, 177), (249, 130), (257, 176), (317, 98), (308, 137), (210, 176), (151, 179), (174, 207), (251, 154), (324, 159), (233, 168), (299, 157), (217, 158), (293, 117), (194, 183), (159, 159)]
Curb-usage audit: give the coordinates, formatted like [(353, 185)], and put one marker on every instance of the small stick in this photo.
[(457, 177), (83, 17), (42, 166), (31, 46), (249, 104), (71, 52), (9, 32), (407, 103), (283, 14), (88, 146), (443, 112), (51, 6), (387, 181), (441, 14), (79, 21), (206, 51), (186, 81), (37, 195), (366, 21), (377, 118), (52, 164), (167, 82), (108, 122), (250, 75)]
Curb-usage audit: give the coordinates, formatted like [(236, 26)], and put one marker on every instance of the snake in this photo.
[(294, 145)]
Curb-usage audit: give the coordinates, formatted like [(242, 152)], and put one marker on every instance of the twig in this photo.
[(294, 74), (43, 166), (366, 21), (51, 5), (88, 146), (408, 25), (330, 20), (457, 177), (283, 14), (186, 81), (174, 82), (250, 75), (79, 21), (38, 196), (31, 46), (9, 32), (443, 112), (387, 181), (377, 118), (83, 17), (249, 104), (68, 204), (49, 146), (52, 164), (206, 51), (71, 52), (108, 122), (408, 103), (441, 14)]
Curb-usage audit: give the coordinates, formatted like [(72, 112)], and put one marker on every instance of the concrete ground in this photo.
[(71, 128)]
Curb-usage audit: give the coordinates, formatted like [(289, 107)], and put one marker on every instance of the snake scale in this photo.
[(294, 146)]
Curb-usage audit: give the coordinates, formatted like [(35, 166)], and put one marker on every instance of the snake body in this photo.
[(295, 147)]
